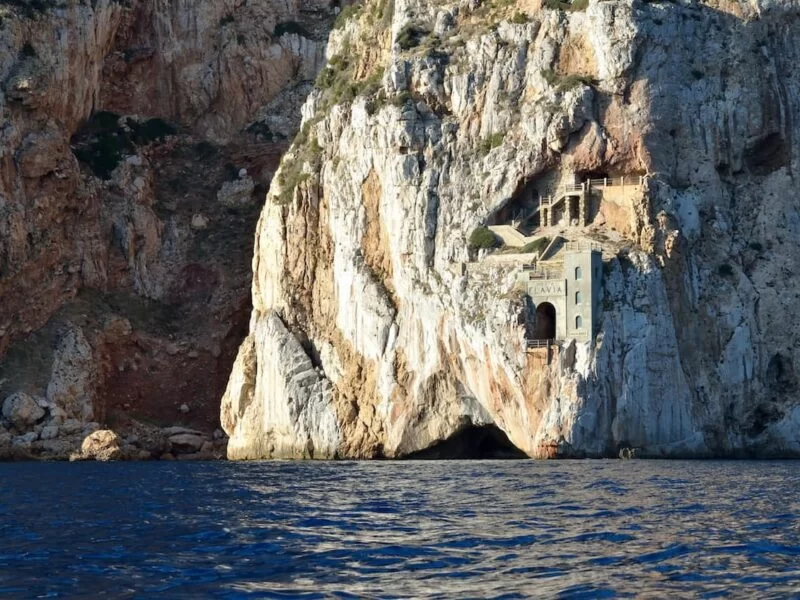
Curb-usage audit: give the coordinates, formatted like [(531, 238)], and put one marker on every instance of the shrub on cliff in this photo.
[(725, 270), (564, 82), (574, 6), (483, 238), (348, 12), (384, 11), (536, 246), (411, 35), (106, 138), (306, 150), (149, 131), (30, 8), (493, 141)]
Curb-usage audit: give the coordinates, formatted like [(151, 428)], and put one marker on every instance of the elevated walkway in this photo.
[(572, 200)]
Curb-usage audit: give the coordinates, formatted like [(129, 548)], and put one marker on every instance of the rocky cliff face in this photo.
[(137, 141), (376, 332)]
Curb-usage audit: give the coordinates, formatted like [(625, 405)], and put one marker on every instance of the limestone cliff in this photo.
[(137, 141), (377, 331)]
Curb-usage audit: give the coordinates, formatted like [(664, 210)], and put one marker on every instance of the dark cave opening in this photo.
[(520, 208), (545, 324), (472, 443)]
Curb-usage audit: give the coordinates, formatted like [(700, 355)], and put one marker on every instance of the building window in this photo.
[(578, 297), (578, 273), (579, 322)]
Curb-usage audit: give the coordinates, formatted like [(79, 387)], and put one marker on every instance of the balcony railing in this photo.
[(582, 246), (617, 181), (540, 273), (539, 343)]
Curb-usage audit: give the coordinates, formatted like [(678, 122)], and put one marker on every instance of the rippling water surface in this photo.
[(455, 529)]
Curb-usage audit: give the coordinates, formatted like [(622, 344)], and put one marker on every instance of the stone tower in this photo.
[(566, 296)]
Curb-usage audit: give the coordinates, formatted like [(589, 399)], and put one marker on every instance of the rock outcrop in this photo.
[(375, 332), (102, 445), (22, 411), (124, 280)]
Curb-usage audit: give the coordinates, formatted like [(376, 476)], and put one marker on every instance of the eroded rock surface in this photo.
[(430, 118), (124, 280)]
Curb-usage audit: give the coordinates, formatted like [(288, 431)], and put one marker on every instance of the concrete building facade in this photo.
[(565, 296)]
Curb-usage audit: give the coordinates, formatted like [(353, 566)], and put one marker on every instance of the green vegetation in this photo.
[(411, 35), (493, 141), (348, 12), (31, 8), (563, 82), (289, 27), (725, 270), (520, 18), (574, 6), (289, 182), (306, 149), (383, 10), (536, 246), (106, 138), (151, 130), (401, 99), (483, 238), (338, 87)]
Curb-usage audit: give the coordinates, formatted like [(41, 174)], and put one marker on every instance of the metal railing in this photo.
[(582, 246), (569, 188), (562, 192), (539, 273), (617, 181), (539, 343)]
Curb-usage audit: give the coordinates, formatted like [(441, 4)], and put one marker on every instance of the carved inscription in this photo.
[(546, 288)]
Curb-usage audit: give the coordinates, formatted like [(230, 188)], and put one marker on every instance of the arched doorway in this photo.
[(545, 321)]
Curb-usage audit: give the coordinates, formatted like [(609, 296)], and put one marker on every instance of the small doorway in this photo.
[(574, 203), (545, 321)]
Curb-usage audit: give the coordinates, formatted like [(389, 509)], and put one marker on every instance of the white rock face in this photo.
[(303, 425), (696, 354)]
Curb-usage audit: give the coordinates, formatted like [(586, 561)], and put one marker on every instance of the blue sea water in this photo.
[(459, 529)]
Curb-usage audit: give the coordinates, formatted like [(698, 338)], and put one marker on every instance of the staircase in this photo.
[(568, 195), (511, 236)]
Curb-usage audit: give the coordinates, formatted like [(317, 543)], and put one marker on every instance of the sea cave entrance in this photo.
[(545, 328), (472, 443)]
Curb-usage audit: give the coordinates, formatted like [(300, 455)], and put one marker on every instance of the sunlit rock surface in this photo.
[(376, 332)]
